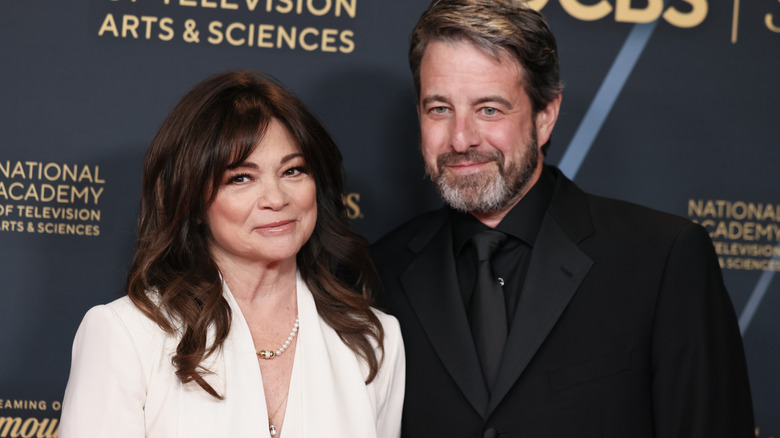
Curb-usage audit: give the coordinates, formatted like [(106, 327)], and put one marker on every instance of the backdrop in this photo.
[(671, 104)]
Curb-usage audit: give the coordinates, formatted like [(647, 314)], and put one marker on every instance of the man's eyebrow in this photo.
[(434, 98), (486, 99), (498, 99)]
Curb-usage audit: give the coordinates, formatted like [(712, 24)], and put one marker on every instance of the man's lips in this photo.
[(466, 166), (467, 163)]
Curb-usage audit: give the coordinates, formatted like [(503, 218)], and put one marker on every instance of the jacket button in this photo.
[(490, 433)]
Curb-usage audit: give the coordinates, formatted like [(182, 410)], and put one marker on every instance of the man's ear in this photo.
[(546, 118)]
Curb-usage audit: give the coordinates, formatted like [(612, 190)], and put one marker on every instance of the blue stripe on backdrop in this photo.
[(605, 98), (755, 297)]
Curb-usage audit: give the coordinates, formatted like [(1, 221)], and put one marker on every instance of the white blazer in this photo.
[(122, 383)]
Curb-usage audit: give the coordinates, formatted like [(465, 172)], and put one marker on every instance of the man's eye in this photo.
[(440, 110), (489, 111)]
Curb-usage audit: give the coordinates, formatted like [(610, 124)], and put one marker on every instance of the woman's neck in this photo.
[(256, 284)]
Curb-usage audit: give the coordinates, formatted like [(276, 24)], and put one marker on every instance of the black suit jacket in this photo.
[(624, 329)]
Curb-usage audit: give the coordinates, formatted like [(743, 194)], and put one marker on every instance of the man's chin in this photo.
[(472, 198)]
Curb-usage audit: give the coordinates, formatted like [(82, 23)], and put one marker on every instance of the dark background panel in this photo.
[(696, 119)]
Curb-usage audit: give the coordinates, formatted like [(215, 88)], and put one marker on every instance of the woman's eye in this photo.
[(238, 179), (294, 171)]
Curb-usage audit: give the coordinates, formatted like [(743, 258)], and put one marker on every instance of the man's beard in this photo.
[(485, 191)]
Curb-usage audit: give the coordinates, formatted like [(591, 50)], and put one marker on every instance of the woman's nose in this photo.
[(272, 196)]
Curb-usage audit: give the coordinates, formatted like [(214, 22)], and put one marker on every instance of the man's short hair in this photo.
[(494, 26)]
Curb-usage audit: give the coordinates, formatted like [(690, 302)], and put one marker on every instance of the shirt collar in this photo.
[(522, 221)]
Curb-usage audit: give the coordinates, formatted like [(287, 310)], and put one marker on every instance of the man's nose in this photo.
[(464, 133)]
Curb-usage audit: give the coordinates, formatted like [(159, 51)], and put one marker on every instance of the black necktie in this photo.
[(487, 310)]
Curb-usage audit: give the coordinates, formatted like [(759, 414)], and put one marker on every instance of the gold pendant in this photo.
[(266, 354)]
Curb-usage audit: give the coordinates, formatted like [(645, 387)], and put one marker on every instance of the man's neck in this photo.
[(493, 218)]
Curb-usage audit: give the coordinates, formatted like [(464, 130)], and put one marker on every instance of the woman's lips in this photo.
[(277, 227)]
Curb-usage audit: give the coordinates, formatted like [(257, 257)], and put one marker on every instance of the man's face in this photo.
[(478, 137)]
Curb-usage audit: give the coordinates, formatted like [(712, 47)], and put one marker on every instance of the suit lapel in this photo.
[(556, 269), (431, 285)]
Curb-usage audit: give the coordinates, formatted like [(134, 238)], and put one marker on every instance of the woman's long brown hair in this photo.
[(173, 279)]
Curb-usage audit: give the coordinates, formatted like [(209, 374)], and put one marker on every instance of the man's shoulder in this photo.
[(616, 223), (605, 209), (568, 196), (583, 213)]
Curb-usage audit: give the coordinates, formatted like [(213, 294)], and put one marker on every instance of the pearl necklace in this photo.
[(270, 354)]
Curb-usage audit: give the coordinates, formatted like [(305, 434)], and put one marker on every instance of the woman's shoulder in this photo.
[(121, 332), (389, 322), (123, 306), (120, 309), (122, 314), (392, 329)]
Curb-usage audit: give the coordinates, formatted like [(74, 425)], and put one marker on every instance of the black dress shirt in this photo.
[(510, 261)]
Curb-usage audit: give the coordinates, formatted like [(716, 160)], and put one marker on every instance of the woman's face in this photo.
[(266, 208)]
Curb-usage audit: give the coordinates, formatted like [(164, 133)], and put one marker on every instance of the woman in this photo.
[(247, 309)]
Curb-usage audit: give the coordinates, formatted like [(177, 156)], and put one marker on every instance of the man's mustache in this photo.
[(471, 156)]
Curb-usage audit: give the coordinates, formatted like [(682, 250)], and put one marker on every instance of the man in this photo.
[(528, 307)]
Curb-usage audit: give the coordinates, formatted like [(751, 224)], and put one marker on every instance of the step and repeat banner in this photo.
[(669, 103)]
